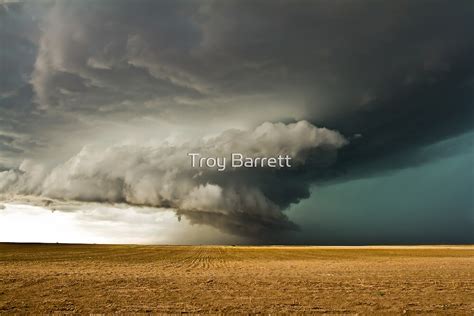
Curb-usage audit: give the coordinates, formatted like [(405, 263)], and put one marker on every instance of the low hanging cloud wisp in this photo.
[(162, 176)]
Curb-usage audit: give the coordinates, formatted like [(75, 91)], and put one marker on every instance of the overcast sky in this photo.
[(100, 102)]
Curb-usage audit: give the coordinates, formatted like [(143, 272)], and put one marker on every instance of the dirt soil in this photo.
[(102, 278)]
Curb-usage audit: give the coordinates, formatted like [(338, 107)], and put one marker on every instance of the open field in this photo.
[(104, 278)]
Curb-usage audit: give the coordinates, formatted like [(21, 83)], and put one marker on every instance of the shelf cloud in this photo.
[(162, 176)]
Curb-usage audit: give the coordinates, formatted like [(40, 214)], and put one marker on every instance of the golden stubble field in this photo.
[(200, 279)]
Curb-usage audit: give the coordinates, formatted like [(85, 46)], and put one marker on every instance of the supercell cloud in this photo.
[(100, 101), (162, 176)]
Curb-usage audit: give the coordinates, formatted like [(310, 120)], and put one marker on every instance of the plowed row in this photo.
[(103, 278)]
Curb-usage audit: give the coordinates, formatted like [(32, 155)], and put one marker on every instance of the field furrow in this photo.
[(105, 278)]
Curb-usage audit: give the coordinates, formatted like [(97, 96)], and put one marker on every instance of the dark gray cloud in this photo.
[(392, 77)]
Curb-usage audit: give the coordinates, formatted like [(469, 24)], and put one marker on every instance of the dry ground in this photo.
[(103, 278)]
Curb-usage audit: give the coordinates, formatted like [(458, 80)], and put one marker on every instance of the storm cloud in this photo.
[(102, 100), (162, 176)]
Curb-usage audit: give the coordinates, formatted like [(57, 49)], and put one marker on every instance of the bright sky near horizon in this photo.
[(107, 225)]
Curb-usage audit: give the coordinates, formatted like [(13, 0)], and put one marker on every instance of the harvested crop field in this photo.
[(45, 278)]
